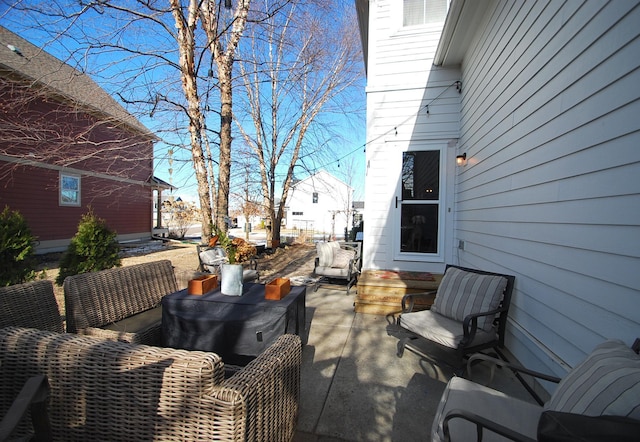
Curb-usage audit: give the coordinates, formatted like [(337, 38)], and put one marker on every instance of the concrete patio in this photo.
[(355, 388)]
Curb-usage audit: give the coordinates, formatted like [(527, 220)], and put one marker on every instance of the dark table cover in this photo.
[(238, 328)]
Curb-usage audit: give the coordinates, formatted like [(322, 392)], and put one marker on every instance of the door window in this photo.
[(420, 204)]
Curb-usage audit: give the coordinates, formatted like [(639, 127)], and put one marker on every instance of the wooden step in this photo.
[(378, 308), (380, 292)]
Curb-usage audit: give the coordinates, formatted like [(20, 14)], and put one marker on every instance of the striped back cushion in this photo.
[(325, 254), (462, 293), (607, 382)]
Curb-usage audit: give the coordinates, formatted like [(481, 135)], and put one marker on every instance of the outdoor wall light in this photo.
[(461, 160)]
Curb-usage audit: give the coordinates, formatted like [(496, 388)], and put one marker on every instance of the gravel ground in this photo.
[(293, 261)]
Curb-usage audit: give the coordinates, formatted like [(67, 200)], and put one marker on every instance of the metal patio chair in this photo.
[(598, 400), (338, 260), (469, 315)]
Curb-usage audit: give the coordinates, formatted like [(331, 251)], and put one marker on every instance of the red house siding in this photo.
[(34, 192), (113, 160)]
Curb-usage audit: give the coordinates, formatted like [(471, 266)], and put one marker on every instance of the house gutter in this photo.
[(362, 10), (450, 25)]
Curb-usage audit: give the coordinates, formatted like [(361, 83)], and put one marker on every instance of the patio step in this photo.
[(380, 292)]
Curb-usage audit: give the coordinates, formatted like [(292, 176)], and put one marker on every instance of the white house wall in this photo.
[(551, 190), (331, 214), (401, 81)]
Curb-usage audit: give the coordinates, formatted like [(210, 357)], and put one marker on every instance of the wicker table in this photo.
[(238, 328)]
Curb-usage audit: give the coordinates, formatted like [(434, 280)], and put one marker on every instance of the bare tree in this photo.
[(171, 62), (248, 200), (294, 69), (157, 57), (38, 126), (347, 173), (180, 216)]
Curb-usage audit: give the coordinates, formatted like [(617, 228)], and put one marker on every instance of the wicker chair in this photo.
[(107, 390), (31, 399), (121, 304), (31, 305)]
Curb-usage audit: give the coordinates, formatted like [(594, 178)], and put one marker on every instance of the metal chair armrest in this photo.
[(410, 298), (470, 324), (481, 423), (513, 367)]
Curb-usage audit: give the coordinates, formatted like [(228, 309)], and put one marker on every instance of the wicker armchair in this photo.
[(121, 304), (107, 390), (32, 305)]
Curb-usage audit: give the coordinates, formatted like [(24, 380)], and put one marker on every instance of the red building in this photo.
[(66, 145)]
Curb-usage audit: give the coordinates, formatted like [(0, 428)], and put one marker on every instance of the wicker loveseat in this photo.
[(121, 304), (107, 390)]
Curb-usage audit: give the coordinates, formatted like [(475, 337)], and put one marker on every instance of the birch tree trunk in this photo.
[(223, 53), (186, 43)]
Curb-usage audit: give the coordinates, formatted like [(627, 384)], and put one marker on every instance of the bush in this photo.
[(244, 250), (93, 248), (17, 247)]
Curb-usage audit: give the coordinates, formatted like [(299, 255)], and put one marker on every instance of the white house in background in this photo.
[(320, 203), (542, 100)]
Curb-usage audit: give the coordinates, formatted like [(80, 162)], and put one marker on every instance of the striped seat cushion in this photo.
[(607, 382), (462, 293)]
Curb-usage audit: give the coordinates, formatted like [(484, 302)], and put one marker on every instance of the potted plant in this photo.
[(231, 274)]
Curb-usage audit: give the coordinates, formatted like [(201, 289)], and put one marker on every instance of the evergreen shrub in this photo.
[(93, 248), (17, 248)]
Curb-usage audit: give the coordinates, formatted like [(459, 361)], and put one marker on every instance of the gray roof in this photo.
[(35, 65), (157, 183)]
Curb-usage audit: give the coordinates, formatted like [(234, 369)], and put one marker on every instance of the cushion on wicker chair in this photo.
[(463, 293), (139, 322), (607, 382)]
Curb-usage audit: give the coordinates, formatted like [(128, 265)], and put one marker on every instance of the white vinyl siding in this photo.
[(322, 203), (551, 189), (401, 82)]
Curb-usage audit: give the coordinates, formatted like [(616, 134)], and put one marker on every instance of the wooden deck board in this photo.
[(380, 292)]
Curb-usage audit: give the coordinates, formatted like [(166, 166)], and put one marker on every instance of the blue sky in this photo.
[(341, 141)]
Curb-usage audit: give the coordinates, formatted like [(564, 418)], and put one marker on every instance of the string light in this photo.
[(458, 86)]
